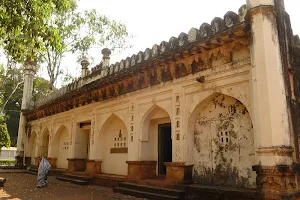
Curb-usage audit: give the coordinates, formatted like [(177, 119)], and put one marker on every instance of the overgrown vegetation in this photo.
[(44, 31)]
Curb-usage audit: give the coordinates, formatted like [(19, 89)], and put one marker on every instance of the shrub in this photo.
[(7, 162)]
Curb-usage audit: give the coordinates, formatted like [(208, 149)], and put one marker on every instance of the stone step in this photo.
[(142, 194), (76, 176), (33, 169), (72, 180), (155, 190), (31, 172)]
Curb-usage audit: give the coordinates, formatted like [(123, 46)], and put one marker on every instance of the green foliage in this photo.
[(7, 162), (40, 88), (79, 32), (11, 78), (4, 135), (44, 30), (24, 26), (11, 91)]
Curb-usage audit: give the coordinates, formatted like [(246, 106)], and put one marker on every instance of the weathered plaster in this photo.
[(223, 143)]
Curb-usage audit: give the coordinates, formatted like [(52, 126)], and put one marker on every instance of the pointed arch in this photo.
[(60, 147), (154, 112), (45, 129), (44, 143), (155, 142), (60, 130), (32, 147), (212, 95), (220, 138), (107, 121), (113, 134)]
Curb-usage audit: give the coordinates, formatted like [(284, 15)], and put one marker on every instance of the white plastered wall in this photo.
[(230, 79), (60, 147), (112, 163)]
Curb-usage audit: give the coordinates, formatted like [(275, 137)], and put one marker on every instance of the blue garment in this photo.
[(43, 172)]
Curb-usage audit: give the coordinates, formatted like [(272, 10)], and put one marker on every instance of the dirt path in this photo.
[(20, 186)]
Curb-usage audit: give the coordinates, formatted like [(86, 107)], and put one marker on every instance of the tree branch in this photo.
[(15, 89)]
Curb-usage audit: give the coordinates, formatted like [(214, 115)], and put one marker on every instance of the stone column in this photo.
[(93, 166), (51, 158), (178, 170), (270, 115), (29, 71)]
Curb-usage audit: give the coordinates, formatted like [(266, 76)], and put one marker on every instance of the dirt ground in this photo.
[(20, 186)]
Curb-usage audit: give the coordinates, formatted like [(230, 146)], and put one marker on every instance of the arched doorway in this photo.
[(112, 146), (44, 146), (223, 142), (60, 147), (82, 138), (32, 147), (156, 138)]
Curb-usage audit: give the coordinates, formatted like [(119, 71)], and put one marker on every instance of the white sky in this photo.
[(153, 21)]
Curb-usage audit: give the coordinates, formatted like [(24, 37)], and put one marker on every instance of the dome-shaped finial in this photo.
[(106, 52), (84, 68), (84, 64), (105, 58)]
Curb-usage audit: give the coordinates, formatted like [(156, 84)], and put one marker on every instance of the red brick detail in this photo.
[(76, 164), (178, 171), (93, 167), (138, 170), (52, 162)]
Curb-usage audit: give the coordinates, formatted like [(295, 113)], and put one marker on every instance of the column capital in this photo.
[(256, 3), (275, 150), (262, 9)]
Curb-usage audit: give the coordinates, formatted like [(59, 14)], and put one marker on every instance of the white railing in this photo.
[(8, 153)]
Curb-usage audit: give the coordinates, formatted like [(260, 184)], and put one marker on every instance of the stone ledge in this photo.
[(138, 170), (76, 164), (52, 162), (178, 164), (75, 159), (218, 192), (179, 171), (275, 150), (142, 162), (93, 167)]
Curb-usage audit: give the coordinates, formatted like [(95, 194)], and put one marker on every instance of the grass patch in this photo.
[(7, 162)]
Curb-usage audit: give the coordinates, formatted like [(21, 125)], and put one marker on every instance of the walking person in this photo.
[(43, 170)]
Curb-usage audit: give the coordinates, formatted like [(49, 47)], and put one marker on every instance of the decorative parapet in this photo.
[(196, 41)]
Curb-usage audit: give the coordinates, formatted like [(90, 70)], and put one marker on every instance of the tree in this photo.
[(40, 88), (79, 32), (4, 135), (11, 79), (24, 26), (11, 83)]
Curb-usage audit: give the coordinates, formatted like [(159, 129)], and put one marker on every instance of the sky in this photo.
[(151, 22)]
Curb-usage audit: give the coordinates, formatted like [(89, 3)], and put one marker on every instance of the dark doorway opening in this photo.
[(164, 147)]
